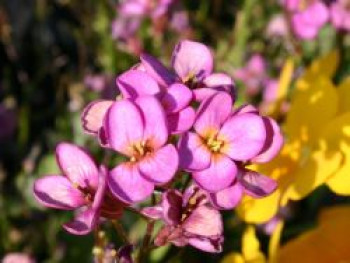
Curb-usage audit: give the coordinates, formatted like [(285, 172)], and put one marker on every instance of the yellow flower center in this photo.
[(214, 145), (140, 150)]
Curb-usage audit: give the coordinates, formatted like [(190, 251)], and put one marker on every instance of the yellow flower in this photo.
[(317, 148)]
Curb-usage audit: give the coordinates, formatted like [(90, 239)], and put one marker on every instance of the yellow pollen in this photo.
[(139, 150), (214, 145)]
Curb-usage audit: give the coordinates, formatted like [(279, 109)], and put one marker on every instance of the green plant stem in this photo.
[(146, 242), (120, 230)]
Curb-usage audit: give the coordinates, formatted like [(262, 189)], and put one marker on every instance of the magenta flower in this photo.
[(175, 98), (247, 181), (253, 74), (308, 17), (340, 14), (82, 185), (193, 66), (17, 258), (189, 220), (138, 129), (220, 138), (142, 8)]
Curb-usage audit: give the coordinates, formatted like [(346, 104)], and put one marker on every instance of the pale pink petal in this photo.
[(220, 82), (155, 122), (93, 114), (227, 198), (211, 245), (177, 97), (77, 165), (83, 223), (212, 113), (193, 154), (273, 143), (181, 121), (136, 83), (124, 126), (256, 184), (154, 212), (204, 221), (157, 70), (247, 108), (127, 184), (160, 167), (57, 191), (219, 175), (192, 59), (133, 8), (244, 136)]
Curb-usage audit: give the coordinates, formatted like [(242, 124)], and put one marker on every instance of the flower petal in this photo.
[(155, 122), (204, 221), (181, 121), (172, 206), (127, 184), (77, 165), (193, 154), (124, 126), (93, 114), (136, 83), (212, 245), (256, 185), (57, 191), (177, 97), (244, 136), (212, 113), (157, 70), (192, 59), (83, 223), (153, 212), (160, 166), (219, 175), (227, 198), (273, 143)]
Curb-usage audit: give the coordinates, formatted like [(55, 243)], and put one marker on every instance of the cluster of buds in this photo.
[(169, 124)]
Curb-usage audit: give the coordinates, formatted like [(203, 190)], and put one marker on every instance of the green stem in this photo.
[(146, 242), (120, 230)]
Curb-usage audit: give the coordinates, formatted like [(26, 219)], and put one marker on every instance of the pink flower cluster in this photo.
[(157, 125)]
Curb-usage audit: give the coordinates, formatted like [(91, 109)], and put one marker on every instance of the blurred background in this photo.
[(58, 55)]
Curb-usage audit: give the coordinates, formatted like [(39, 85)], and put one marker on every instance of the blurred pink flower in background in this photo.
[(277, 26), (101, 83), (307, 17), (253, 74), (17, 258), (340, 14)]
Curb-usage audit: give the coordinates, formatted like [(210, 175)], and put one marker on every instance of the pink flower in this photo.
[(138, 129), (82, 185), (308, 17), (340, 14), (220, 139), (253, 74), (193, 66), (17, 258), (277, 26), (189, 220), (151, 8), (247, 181)]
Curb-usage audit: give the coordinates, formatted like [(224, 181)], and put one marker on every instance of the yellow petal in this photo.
[(327, 243), (251, 247), (344, 95), (274, 243), (324, 66), (233, 258), (310, 110)]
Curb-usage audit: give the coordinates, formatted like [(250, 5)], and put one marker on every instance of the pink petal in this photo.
[(124, 126), (136, 83), (93, 114), (219, 175), (256, 184), (160, 166), (181, 121), (83, 223), (58, 192), (133, 8), (172, 207), (154, 212), (273, 143), (77, 165), (212, 245), (193, 154), (127, 184), (204, 221), (192, 59), (177, 97), (212, 113), (247, 108), (157, 70), (227, 198), (216, 82), (244, 136), (155, 122)]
